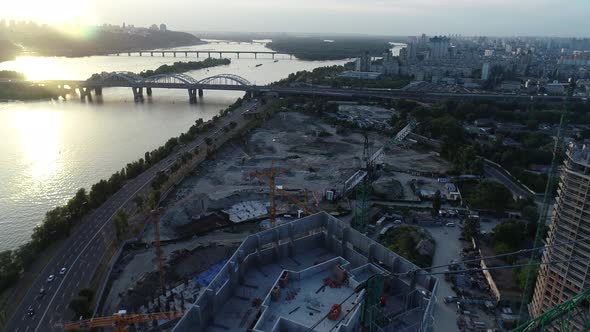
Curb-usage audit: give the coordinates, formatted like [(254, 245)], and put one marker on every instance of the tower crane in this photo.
[(269, 176), (119, 322)]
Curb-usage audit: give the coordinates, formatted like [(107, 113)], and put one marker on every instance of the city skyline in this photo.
[(374, 17)]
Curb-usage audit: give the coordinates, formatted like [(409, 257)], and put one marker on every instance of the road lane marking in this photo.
[(110, 204), (88, 244)]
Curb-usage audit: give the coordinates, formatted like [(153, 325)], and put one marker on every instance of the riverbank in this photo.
[(51, 41), (317, 48), (182, 67), (25, 92)]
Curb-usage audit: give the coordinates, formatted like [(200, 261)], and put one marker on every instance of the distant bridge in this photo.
[(186, 53), (138, 83), (233, 82)]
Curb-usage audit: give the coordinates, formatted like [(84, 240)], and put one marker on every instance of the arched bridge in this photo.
[(162, 81)]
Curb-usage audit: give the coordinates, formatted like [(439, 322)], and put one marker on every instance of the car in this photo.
[(63, 270), (450, 224), (30, 311), (50, 278)]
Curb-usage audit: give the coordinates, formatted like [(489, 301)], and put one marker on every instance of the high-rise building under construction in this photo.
[(565, 268)]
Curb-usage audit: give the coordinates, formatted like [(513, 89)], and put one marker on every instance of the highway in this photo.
[(85, 248), (240, 84)]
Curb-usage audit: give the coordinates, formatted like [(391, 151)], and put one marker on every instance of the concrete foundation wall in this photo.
[(319, 230)]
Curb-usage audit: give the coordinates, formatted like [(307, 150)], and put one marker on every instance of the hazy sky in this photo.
[(384, 17)]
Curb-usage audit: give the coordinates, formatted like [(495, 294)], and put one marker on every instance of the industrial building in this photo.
[(557, 283), (314, 274)]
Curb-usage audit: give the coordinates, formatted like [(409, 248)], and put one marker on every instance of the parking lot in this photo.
[(448, 248)]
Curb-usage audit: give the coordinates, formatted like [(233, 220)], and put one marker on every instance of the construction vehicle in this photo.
[(121, 320)]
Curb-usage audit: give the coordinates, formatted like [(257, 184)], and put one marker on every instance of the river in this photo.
[(49, 149)]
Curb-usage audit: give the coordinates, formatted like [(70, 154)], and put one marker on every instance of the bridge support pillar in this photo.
[(162, 53), (137, 94), (192, 96), (186, 54), (148, 92), (255, 55), (129, 53), (238, 53), (220, 56), (85, 92), (290, 56), (209, 54), (197, 54), (98, 91), (273, 55), (152, 53), (174, 54), (200, 92)]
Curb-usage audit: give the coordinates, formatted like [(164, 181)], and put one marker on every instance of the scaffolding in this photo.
[(564, 317)]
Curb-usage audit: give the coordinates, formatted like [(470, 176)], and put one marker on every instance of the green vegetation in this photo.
[(81, 304), (25, 92), (181, 67), (315, 48), (59, 221), (404, 240), (121, 223), (489, 195), (49, 41), (470, 228), (317, 76), (521, 273), (443, 121), (22, 91), (12, 75), (328, 76), (508, 236)]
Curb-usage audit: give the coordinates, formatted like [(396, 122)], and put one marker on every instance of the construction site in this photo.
[(292, 165)]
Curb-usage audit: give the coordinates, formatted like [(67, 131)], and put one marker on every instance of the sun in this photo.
[(55, 12)]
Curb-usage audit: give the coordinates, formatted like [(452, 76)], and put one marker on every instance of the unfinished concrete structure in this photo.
[(314, 274), (571, 222)]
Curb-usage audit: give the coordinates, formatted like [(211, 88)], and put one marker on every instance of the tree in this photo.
[(530, 213), (471, 228), (120, 220), (9, 269), (87, 293), (511, 232), (81, 306), (139, 201), (436, 202), (491, 195), (521, 274)]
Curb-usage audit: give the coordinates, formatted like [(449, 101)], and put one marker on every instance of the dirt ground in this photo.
[(307, 151), (136, 269), (308, 154)]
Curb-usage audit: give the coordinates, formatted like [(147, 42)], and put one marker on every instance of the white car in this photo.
[(450, 224), (63, 270), (50, 278)]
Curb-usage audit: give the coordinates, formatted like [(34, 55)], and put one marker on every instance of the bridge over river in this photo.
[(208, 53), (140, 85)]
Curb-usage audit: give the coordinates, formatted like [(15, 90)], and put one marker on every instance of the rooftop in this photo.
[(289, 278)]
